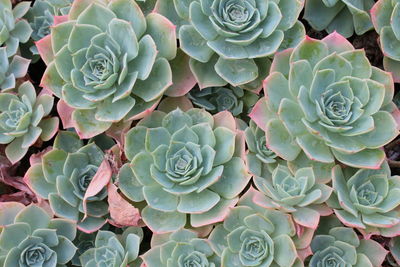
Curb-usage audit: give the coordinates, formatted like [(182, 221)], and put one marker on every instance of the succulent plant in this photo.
[(367, 200), (180, 248), (385, 14), (114, 250), (13, 29), (9, 71), (147, 6), (260, 159), (394, 247), (63, 176), (325, 98), (118, 70), (342, 247), (299, 193), (342, 16), (62, 6), (230, 98), (254, 236), (24, 120), (29, 236), (229, 40), (83, 242), (186, 166), (41, 17)]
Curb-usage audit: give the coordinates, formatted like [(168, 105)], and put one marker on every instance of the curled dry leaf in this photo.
[(121, 211)]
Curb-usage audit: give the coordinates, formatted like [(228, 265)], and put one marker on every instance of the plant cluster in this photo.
[(198, 133)]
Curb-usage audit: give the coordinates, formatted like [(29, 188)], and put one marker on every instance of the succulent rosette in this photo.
[(63, 176), (11, 70), (260, 159), (324, 98), (29, 236), (229, 40), (385, 14), (13, 29), (83, 242), (342, 16), (186, 166), (24, 120), (180, 248), (41, 17), (299, 193), (217, 99), (108, 62), (254, 236), (114, 250), (367, 200), (342, 247)]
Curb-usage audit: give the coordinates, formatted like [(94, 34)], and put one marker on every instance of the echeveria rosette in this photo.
[(367, 200), (229, 40), (298, 193), (255, 236), (217, 99), (324, 98), (63, 175), (29, 236), (24, 120), (11, 69), (108, 62), (342, 247), (342, 16), (260, 159), (385, 18), (83, 242), (13, 29), (111, 250), (186, 166), (180, 248), (41, 17)]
